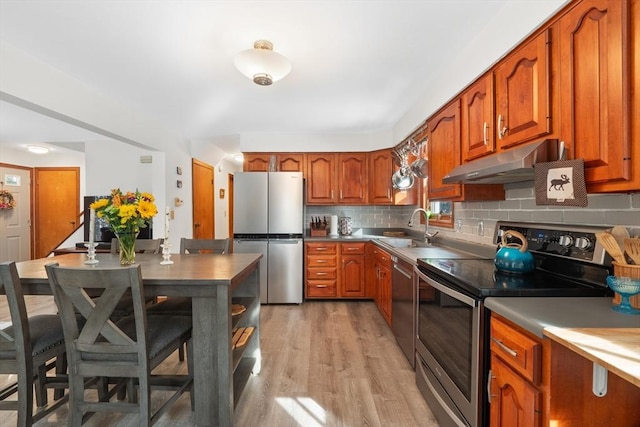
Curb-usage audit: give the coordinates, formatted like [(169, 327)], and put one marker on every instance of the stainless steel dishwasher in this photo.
[(403, 308)]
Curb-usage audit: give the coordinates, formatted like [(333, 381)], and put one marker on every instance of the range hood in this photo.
[(514, 165)]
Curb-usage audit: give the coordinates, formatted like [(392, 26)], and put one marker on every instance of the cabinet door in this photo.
[(352, 276), (381, 191), (523, 91), (256, 162), (444, 151), (352, 178), (477, 119), (321, 179), (380, 170), (385, 293), (514, 402), (290, 162), (594, 94)]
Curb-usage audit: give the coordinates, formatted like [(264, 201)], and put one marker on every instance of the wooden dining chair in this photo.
[(182, 305), (129, 348), (146, 246), (201, 246), (25, 348)]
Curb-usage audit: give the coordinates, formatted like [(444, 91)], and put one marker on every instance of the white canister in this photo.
[(346, 226)]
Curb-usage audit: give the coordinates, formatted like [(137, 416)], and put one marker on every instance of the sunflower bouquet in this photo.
[(126, 213)]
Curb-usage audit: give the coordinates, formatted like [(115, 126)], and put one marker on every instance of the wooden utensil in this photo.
[(620, 233), (610, 245), (632, 248)]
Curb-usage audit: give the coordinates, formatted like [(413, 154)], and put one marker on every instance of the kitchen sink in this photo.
[(399, 242)]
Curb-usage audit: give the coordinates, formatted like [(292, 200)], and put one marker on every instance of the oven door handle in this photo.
[(446, 290)]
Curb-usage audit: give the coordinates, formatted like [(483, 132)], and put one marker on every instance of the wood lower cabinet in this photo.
[(321, 273), (335, 270), (382, 297), (352, 271), (514, 401), (523, 93), (516, 369), (594, 75), (536, 382)]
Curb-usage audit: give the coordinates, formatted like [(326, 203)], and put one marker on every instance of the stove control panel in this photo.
[(574, 242)]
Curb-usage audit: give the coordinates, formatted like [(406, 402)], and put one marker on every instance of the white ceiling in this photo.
[(358, 66)]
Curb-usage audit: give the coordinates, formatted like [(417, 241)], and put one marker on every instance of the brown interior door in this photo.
[(203, 210), (56, 207)]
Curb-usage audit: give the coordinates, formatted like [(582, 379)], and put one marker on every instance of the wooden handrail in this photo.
[(80, 224)]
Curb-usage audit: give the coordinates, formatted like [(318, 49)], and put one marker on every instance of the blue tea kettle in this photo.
[(514, 257)]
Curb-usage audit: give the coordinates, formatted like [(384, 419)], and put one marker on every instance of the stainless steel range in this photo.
[(453, 325)]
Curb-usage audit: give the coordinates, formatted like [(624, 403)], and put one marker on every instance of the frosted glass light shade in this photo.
[(261, 64), (38, 149)]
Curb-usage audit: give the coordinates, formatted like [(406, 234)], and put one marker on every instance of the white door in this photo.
[(15, 224)]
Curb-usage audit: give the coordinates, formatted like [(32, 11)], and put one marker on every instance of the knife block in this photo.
[(318, 232)]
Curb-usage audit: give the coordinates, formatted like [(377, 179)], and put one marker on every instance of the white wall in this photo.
[(509, 26), (316, 142)]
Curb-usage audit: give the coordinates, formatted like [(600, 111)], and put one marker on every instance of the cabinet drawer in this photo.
[(321, 273), (354, 248), (321, 288), (321, 261), (518, 350), (383, 258), (314, 248)]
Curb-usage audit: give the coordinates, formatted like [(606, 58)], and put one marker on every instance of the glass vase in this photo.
[(127, 243)]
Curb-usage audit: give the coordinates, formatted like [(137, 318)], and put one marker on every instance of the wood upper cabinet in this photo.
[(444, 151), (290, 162), (321, 178), (595, 92), (352, 178), (256, 162), (523, 93), (477, 102), (285, 162), (381, 191)]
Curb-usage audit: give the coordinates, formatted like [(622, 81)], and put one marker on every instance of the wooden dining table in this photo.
[(213, 282)]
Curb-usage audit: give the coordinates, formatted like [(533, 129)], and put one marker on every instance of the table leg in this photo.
[(213, 370)]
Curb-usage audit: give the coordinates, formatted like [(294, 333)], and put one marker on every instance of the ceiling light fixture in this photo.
[(38, 149), (261, 64)]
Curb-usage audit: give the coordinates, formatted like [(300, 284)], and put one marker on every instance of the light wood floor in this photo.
[(324, 364)]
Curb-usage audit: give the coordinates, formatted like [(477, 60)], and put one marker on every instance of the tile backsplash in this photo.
[(476, 220)]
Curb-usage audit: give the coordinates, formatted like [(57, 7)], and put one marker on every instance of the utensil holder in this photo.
[(627, 270)]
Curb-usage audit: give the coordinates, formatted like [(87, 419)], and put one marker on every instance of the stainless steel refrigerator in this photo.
[(268, 218)]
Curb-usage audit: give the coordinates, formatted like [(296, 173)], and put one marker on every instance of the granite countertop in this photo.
[(443, 248), (586, 325)]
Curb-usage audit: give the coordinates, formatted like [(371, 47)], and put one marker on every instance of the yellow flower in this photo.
[(126, 212), (148, 197), (99, 204), (147, 209)]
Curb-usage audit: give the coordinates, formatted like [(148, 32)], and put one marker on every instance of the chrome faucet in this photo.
[(428, 237)]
